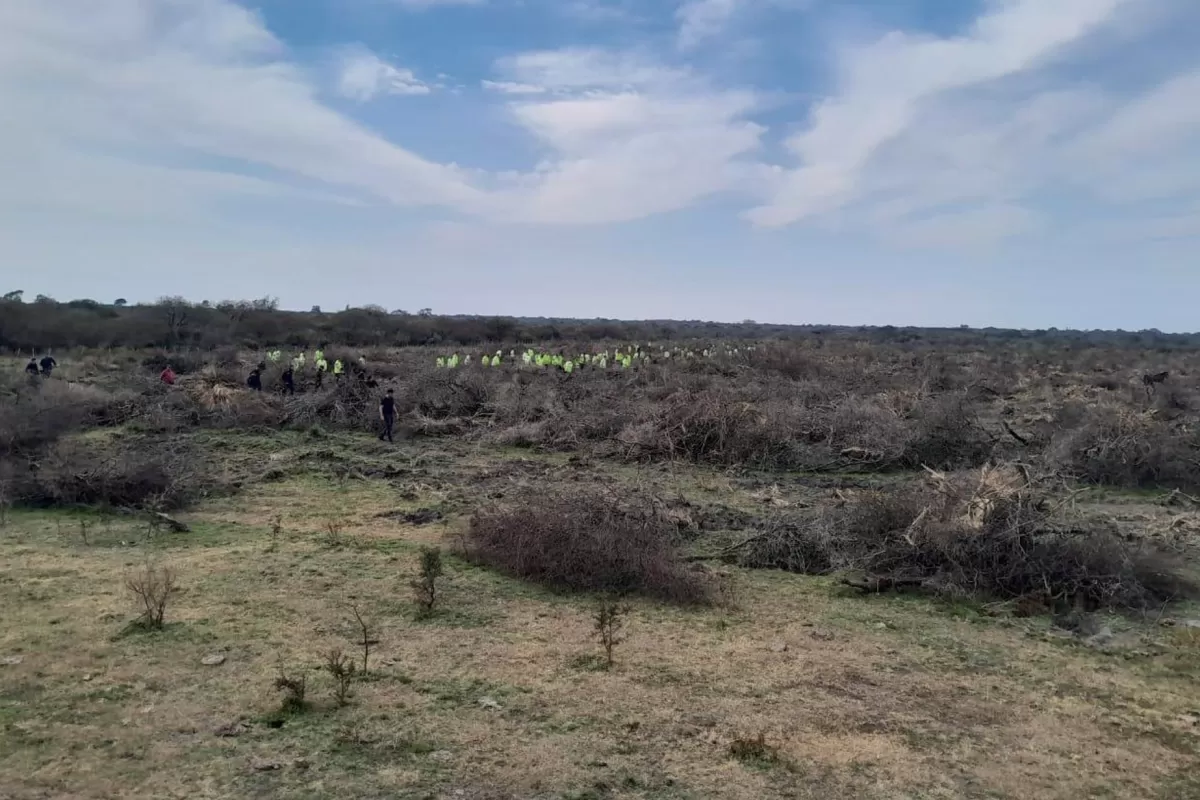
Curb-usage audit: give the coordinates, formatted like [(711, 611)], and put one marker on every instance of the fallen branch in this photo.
[(873, 584), (175, 525), (1013, 433), (728, 551)]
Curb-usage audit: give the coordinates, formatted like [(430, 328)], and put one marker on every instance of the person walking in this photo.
[(168, 376), (48, 364), (31, 368), (387, 414), (289, 381), (338, 369), (255, 380)]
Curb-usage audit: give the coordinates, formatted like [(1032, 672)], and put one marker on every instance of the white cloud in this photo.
[(702, 19), (511, 87), (174, 87), (364, 76), (422, 5), (625, 138), (140, 109), (885, 86)]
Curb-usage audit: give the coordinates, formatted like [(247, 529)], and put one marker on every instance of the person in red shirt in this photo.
[(168, 376)]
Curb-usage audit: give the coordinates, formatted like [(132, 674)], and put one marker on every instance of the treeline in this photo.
[(174, 322)]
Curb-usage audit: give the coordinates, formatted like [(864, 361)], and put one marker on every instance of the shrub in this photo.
[(948, 435), (34, 417), (586, 541), (610, 621), (718, 426), (754, 751), (295, 692), (1113, 445), (183, 363), (425, 587), (987, 534), (152, 589), (342, 669), (129, 475)]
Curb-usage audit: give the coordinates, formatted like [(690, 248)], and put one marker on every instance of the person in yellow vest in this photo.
[(322, 366), (338, 369)]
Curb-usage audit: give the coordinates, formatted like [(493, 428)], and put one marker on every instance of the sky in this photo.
[(1009, 163)]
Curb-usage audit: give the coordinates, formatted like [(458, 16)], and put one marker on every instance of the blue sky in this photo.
[(1027, 163)]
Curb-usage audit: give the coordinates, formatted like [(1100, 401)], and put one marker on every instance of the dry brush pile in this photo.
[(995, 533)]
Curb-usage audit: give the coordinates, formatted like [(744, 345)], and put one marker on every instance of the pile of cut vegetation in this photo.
[(997, 533)]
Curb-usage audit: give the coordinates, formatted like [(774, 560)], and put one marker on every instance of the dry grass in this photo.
[(860, 698)]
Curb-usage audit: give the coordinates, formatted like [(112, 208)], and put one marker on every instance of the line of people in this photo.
[(288, 378)]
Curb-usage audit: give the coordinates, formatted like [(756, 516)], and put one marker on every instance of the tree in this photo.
[(425, 312), (16, 296), (45, 299), (315, 310), (175, 314), (120, 302)]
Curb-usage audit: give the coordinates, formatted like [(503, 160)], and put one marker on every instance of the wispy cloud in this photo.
[(626, 138), (207, 80), (422, 5), (885, 86), (363, 76), (924, 141), (702, 19), (511, 87)]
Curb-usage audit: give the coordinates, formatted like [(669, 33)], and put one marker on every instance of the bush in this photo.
[(341, 669), (948, 435), (609, 621), (32, 417), (425, 587), (295, 692), (987, 534), (183, 363), (586, 542), (719, 426), (1113, 445), (152, 589), (153, 474)]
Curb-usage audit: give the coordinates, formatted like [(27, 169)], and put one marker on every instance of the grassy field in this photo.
[(798, 689)]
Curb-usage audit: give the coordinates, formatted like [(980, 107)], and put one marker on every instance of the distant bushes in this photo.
[(989, 534), (587, 542)]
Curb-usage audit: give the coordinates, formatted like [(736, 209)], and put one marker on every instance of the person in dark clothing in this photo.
[(32, 368), (48, 365), (387, 413), (289, 381), (255, 380)]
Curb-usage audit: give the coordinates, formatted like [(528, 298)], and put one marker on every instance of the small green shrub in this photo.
[(425, 587), (609, 625), (343, 670), (295, 691)]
